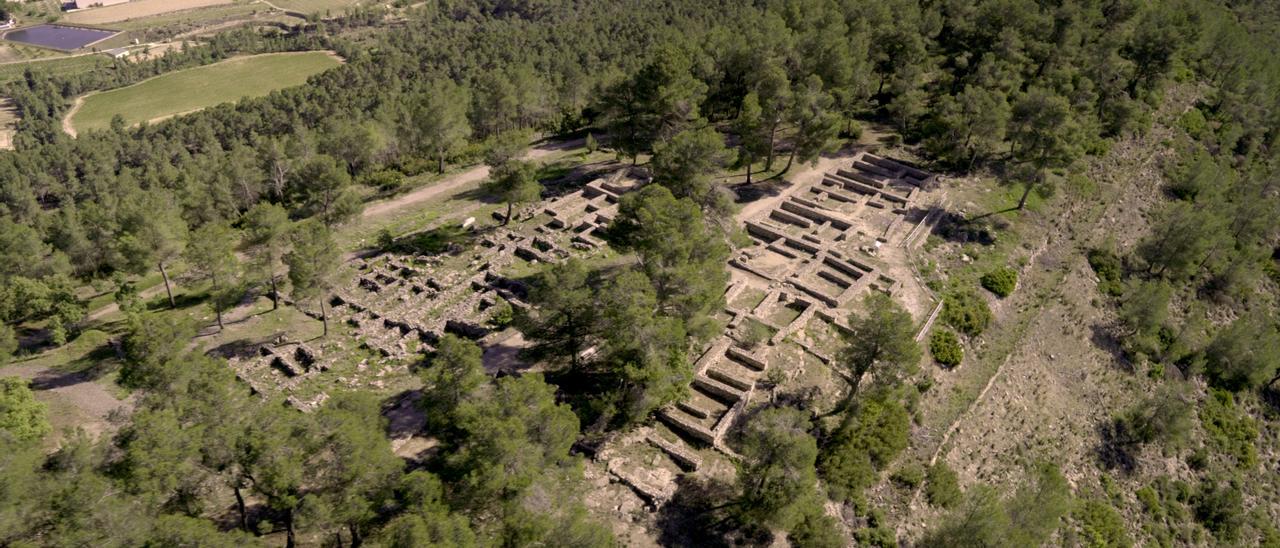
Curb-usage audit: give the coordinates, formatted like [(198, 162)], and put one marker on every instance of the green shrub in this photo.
[(1194, 123), (941, 487), (1001, 281), (923, 385), (754, 333), (386, 240), (966, 312), (878, 537), (866, 442), (852, 130), (502, 314), (815, 529), (909, 476), (1229, 430), (1106, 264), (945, 347), (23, 418), (8, 343), (1150, 502), (1100, 525), (385, 180), (1198, 459), (1219, 507)]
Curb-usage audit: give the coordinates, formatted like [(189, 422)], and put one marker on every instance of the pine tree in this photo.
[(212, 257), (440, 119), (753, 138), (267, 228), (514, 182), (313, 262)]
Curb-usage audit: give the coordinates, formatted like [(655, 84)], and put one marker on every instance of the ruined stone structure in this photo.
[(815, 253), (398, 306)]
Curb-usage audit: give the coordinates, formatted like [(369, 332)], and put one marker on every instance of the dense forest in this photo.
[(1024, 90)]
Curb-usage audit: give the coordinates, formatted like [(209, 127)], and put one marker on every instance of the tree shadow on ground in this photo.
[(578, 176), (479, 194), (240, 348), (1103, 339), (93, 366), (915, 214), (700, 514), (1270, 396), (404, 414), (180, 300), (759, 190), (954, 227), (993, 213), (1113, 451)]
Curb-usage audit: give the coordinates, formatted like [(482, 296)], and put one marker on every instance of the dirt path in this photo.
[(67, 127), (443, 187), (112, 308), (268, 4), (457, 182), (9, 119)]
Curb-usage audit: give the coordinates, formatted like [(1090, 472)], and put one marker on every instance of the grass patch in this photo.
[(56, 66), (748, 299), (752, 333), (190, 18), (71, 356), (201, 87), (783, 315)]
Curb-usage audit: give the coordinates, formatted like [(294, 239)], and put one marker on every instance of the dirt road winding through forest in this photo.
[(453, 183)]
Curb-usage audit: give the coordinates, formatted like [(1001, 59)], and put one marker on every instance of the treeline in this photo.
[(975, 84)]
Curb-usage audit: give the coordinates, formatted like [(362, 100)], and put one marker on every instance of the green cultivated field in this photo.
[(202, 87)]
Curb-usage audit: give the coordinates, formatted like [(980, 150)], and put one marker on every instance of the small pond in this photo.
[(58, 36)]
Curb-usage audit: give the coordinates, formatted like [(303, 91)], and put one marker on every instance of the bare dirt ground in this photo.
[(67, 126), (801, 174), (8, 123), (503, 355), (88, 403), (137, 9), (1062, 381)]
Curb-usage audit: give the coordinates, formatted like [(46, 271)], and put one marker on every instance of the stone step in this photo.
[(684, 456), (746, 358), (717, 389), (690, 408), (727, 378), (684, 424)]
